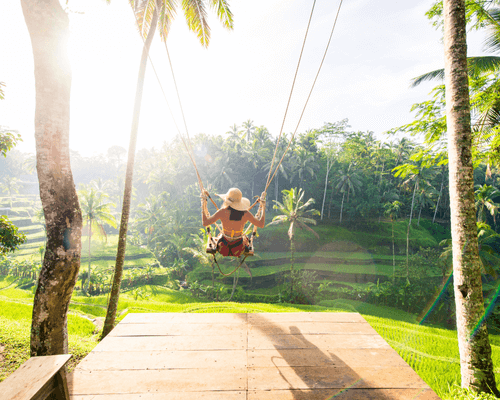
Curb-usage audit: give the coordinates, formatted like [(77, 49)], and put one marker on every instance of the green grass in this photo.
[(268, 270), (432, 352), (346, 255), (15, 293), (6, 281), (15, 323), (371, 269), (88, 310), (370, 310)]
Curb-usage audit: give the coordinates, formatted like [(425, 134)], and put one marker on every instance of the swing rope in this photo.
[(305, 105), (188, 145), (290, 96)]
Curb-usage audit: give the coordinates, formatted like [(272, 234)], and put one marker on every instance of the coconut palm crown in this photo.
[(295, 212), (195, 12)]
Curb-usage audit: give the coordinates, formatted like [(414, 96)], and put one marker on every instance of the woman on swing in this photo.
[(233, 215)]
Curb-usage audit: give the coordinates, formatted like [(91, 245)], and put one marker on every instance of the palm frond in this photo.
[(308, 221), (483, 65), (308, 203), (224, 13), (429, 76), (166, 15), (475, 66), (492, 41), (196, 18), (144, 16), (299, 200), (282, 208), (278, 219), (304, 226)]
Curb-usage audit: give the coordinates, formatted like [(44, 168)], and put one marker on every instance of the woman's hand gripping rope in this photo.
[(211, 245), (262, 198), (204, 196), (262, 203)]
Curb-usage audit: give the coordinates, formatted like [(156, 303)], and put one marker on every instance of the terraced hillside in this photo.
[(345, 257), (24, 215), (342, 256)]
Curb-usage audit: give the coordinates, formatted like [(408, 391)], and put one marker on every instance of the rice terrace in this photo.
[(305, 207)]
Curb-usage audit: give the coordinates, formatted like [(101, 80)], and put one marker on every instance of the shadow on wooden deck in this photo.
[(285, 356)]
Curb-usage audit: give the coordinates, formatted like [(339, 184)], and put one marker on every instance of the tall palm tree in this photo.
[(150, 14), (402, 149), (234, 135), (294, 212), (262, 136), (424, 196), (234, 131), (101, 186), (392, 210), (96, 214), (348, 182), (487, 239), (255, 155), (443, 174), (330, 136), (304, 163), (10, 185), (248, 130), (475, 351), (411, 174), (149, 216), (484, 202)]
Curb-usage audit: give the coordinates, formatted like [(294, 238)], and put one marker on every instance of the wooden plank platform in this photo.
[(285, 356)]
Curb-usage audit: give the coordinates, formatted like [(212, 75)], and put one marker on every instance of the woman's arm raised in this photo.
[(261, 222), (209, 220)]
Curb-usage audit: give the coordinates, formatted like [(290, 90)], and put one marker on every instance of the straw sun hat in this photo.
[(235, 199)]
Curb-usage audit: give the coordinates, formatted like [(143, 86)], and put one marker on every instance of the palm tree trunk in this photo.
[(408, 252), (408, 231), (381, 173), (419, 213), (342, 208), (475, 350), (393, 253), (127, 194), (90, 239), (330, 203), (292, 259), (439, 198), (48, 27), (326, 185), (413, 200)]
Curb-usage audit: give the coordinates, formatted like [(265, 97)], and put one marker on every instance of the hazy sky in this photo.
[(378, 46)]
